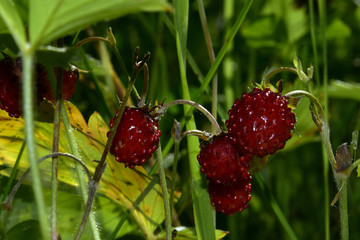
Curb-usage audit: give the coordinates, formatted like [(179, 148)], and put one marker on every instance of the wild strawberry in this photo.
[(230, 198), (260, 122), (10, 85), (136, 138), (10, 82), (221, 161)]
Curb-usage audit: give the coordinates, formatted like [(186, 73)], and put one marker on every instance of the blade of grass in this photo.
[(55, 160), (275, 207), (204, 222), (210, 49), (220, 56)]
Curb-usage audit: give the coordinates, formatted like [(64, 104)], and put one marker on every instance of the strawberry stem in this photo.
[(55, 162), (168, 225), (210, 117), (137, 66)]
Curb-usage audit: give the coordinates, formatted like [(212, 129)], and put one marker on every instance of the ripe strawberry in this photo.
[(230, 198), (10, 85), (260, 122), (10, 76), (136, 137), (221, 161)]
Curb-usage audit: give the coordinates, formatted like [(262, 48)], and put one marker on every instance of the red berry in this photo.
[(221, 161), (136, 138), (10, 85), (230, 198), (260, 122)]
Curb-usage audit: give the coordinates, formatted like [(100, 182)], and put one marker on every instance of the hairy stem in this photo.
[(100, 168), (28, 105), (198, 107), (55, 162), (168, 226)]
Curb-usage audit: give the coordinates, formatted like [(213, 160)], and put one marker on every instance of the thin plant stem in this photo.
[(224, 48), (55, 161), (100, 168), (168, 225), (313, 41), (28, 105), (279, 70), (75, 151), (177, 139), (211, 53), (323, 23), (198, 107), (343, 209), (8, 202)]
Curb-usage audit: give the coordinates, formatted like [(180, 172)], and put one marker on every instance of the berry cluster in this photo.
[(136, 138), (10, 85), (227, 171), (259, 124)]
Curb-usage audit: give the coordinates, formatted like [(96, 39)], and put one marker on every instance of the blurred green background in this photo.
[(272, 32)]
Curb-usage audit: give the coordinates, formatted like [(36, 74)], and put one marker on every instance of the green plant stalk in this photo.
[(313, 41), (100, 168), (168, 225), (79, 171), (55, 162), (224, 49), (227, 68), (343, 208), (341, 181), (203, 110), (322, 13), (173, 176), (28, 105), (211, 53), (204, 224)]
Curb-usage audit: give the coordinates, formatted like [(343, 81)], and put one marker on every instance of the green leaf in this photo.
[(122, 185), (50, 20), (11, 18)]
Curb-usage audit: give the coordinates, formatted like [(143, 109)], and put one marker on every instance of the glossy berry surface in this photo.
[(221, 161), (136, 138), (10, 86), (260, 122), (230, 198)]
